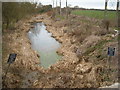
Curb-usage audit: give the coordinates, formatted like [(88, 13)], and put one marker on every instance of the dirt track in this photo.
[(70, 72)]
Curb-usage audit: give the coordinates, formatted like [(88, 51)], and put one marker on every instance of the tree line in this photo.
[(12, 12)]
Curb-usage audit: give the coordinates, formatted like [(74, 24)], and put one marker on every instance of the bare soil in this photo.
[(84, 49)]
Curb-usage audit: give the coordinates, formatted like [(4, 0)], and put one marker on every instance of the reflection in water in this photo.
[(44, 44)]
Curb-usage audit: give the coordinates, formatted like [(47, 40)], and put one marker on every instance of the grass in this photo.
[(99, 46), (95, 13), (60, 17)]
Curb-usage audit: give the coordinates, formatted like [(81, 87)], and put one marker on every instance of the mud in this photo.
[(71, 71)]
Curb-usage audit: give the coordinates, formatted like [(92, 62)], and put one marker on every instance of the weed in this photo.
[(99, 45)]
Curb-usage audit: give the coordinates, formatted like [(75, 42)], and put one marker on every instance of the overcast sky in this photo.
[(97, 4)]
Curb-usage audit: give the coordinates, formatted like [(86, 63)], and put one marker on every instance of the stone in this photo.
[(83, 68), (35, 83)]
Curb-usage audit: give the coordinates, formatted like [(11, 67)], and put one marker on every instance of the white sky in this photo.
[(97, 4)]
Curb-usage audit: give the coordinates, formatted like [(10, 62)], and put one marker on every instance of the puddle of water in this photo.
[(44, 44)]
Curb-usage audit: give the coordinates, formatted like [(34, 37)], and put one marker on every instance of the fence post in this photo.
[(105, 13)]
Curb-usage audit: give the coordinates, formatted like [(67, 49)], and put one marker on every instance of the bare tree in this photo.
[(106, 21), (66, 3), (53, 3), (106, 3), (60, 7), (66, 10), (56, 8), (56, 3), (53, 14)]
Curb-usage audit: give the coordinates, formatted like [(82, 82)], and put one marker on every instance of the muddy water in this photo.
[(44, 44)]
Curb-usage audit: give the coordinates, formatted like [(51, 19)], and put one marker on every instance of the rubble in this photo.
[(83, 68)]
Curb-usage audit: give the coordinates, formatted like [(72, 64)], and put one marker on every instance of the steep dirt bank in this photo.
[(75, 70), (27, 61)]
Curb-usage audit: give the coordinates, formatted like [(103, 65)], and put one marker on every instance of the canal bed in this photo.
[(46, 46)]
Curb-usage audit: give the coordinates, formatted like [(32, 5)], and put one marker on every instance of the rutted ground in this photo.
[(77, 69)]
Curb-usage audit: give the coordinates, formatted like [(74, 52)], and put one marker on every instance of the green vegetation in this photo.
[(95, 13), (45, 8), (60, 17), (15, 11), (99, 46)]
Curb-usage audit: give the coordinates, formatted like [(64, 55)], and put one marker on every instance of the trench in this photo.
[(45, 45)]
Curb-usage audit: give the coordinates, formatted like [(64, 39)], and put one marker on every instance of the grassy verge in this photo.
[(99, 46), (95, 13)]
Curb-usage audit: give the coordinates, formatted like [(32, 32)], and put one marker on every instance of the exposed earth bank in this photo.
[(83, 64)]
